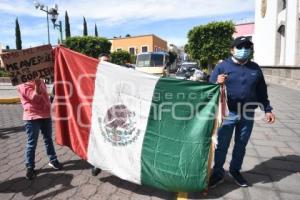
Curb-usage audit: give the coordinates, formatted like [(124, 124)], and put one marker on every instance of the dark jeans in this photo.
[(243, 125), (33, 128)]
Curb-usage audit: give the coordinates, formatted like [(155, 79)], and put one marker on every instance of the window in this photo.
[(281, 30), (144, 49), (152, 59), (132, 50), (283, 4), (157, 60), (143, 60)]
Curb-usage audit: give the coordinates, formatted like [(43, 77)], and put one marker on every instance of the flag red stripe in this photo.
[(73, 113)]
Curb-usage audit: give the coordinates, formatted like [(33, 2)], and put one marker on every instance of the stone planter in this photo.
[(4, 80)]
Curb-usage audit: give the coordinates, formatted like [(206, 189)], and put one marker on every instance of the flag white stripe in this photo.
[(115, 85)]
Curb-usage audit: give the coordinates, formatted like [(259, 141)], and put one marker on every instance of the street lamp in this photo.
[(54, 14), (41, 7)]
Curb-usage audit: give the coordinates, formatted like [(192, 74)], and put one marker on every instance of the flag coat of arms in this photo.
[(142, 128)]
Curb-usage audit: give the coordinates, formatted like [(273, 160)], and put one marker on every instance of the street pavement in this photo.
[(271, 165)]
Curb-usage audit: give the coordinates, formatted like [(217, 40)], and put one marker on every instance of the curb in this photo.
[(13, 100), (10, 100)]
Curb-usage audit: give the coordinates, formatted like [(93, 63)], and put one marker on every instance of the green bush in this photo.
[(133, 58), (120, 57), (3, 73), (210, 43), (89, 45)]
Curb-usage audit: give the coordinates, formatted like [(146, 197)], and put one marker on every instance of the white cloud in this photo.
[(118, 11), (19, 7), (26, 45), (178, 41), (31, 35), (110, 13)]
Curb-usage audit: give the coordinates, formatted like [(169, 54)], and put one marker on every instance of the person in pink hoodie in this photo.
[(36, 104)]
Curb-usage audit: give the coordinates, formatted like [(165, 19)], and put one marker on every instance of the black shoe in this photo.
[(238, 178), (30, 173), (95, 171), (215, 180), (55, 164)]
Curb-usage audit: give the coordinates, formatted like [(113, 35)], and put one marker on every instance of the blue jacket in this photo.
[(244, 83)]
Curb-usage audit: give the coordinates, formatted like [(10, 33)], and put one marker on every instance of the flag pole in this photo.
[(182, 196)]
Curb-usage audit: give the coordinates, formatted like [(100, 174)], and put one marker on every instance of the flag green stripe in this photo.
[(175, 151)]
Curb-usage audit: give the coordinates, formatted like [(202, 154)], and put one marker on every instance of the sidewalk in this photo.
[(271, 165), (9, 93)]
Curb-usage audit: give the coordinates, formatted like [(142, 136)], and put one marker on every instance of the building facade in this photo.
[(277, 32), (244, 29), (139, 44)]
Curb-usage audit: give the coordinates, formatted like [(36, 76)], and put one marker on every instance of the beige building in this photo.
[(139, 44)]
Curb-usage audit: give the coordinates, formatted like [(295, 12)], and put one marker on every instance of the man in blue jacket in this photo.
[(246, 90)]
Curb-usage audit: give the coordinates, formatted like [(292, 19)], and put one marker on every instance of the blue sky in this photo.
[(169, 19)]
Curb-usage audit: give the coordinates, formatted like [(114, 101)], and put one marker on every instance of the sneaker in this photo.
[(30, 173), (55, 164), (95, 171), (238, 178), (215, 180)]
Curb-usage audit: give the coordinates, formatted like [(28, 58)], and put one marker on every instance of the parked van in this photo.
[(153, 62)]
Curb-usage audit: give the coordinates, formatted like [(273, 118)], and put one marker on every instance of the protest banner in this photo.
[(28, 64)]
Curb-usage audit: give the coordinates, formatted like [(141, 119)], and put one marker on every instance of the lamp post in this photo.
[(41, 7), (54, 14)]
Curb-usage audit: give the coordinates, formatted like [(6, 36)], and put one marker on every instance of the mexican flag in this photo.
[(142, 128)]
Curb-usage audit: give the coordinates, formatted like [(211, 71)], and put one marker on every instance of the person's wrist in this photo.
[(37, 89)]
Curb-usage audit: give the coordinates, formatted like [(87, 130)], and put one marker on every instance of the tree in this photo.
[(172, 57), (96, 30), (85, 31), (210, 43), (120, 57), (186, 48), (18, 35), (128, 35), (67, 25), (132, 58), (89, 45)]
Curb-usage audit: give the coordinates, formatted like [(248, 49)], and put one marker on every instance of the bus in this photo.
[(152, 62)]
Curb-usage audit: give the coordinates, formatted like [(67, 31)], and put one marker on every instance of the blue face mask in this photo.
[(242, 54)]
